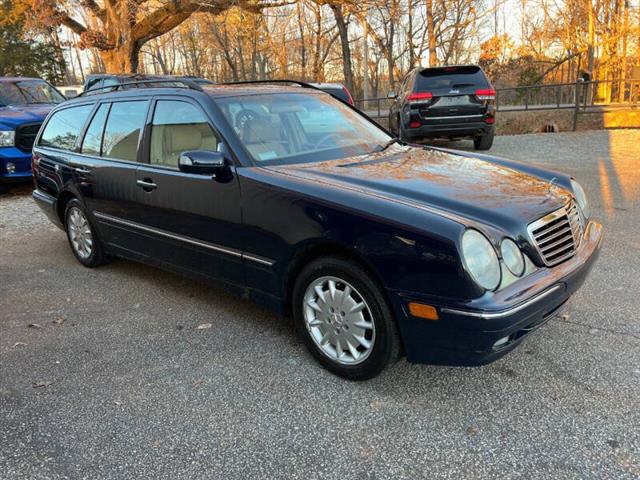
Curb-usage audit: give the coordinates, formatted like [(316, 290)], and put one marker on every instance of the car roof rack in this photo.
[(188, 84), (294, 82)]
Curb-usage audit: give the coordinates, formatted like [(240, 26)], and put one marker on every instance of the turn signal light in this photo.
[(421, 310)]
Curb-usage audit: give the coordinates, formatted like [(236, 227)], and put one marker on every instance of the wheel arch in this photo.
[(310, 252), (61, 203)]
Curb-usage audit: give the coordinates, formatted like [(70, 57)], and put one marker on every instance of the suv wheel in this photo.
[(344, 319), (82, 237), (484, 142)]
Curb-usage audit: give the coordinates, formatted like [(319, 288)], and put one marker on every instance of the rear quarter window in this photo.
[(451, 77), (64, 127)]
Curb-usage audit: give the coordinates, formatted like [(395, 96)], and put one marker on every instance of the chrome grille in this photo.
[(557, 236)]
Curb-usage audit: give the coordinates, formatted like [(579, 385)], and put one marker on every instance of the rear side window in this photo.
[(93, 138), (450, 77), (64, 127), (122, 131)]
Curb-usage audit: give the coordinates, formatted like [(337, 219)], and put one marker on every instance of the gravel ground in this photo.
[(113, 379)]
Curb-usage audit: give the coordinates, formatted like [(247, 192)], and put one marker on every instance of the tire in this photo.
[(484, 142), (79, 229), (370, 332)]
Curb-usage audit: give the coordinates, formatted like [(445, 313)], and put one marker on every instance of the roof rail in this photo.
[(118, 86), (295, 82)]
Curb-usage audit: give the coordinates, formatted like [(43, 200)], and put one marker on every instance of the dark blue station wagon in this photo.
[(294, 199)]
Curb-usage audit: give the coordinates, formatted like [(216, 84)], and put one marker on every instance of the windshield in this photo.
[(28, 92), (286, 128)]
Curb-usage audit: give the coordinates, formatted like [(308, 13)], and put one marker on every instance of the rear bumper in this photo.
[(21, 162), (47, 204), (449, 127), (466, 334)]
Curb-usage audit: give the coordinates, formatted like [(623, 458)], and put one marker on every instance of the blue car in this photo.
[(24, 104)]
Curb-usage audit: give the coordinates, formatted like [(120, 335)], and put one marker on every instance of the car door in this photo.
[(193, 220), (105, 169)]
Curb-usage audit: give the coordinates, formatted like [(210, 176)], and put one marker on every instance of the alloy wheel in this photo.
[(80, 233), (339, 320)]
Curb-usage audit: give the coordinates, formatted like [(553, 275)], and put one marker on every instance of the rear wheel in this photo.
[(82, 237), (485, 141), (344, 319)]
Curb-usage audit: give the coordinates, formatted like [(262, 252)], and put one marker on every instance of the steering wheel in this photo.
[(325, 138), (244, 116)]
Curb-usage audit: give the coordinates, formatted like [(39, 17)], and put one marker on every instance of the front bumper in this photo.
[(21, 161), (466, 333)]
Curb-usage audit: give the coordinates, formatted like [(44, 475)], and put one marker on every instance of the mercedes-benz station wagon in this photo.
[(294, 199)]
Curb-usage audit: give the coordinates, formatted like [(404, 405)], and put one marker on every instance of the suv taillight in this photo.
[(420, 96), (349, 97), (486, 94)]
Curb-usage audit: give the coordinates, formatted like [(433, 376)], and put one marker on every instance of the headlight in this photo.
[(581, 198), (480, 259), (512, 257), (7, 138)]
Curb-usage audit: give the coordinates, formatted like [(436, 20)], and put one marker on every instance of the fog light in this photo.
[(11, 168), (501, 343)]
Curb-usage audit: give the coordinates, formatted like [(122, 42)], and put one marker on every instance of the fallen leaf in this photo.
[(19, 344), (41, 384), (472, 431), (198, 382), (564, 316), (35, 325), (59, 321), (203, 326), (116, 402)]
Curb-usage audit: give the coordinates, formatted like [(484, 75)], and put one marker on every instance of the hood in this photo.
[(13, 116), (473, 188)]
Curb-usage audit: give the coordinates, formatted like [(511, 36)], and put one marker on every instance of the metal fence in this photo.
[(582, 97)]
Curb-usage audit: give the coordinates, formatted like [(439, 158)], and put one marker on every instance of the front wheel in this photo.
[(344, 319), (485, 141), (82, 237)]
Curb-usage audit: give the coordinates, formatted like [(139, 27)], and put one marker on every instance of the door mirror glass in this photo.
[(391, 94), (201, 161)]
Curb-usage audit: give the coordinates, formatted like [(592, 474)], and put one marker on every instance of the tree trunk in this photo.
[(433, 60), (344, 41), (123, 59)]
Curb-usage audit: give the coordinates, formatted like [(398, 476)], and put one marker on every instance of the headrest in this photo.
[(180, 138), (263, 129)]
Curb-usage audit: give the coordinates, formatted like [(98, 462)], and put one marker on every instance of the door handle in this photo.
[(147, 185), (82, 171)]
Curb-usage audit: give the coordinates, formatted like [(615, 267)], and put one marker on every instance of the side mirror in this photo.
[(201, 161), (391, 95)]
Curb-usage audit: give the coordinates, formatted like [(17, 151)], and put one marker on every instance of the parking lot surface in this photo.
[(115, 373)]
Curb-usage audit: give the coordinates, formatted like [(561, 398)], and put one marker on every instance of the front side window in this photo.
[(178, 127), (122, 131), (64, 127), (287, 128), (93, 137), (26, 92)]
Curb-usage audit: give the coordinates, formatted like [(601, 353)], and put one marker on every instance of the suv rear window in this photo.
[(451, 77), (63, 128)]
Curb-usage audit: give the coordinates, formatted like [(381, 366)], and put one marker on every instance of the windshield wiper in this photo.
[(389, 143)]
